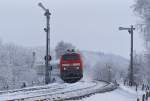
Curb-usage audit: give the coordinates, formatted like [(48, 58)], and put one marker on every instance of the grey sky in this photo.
[(88, 24)]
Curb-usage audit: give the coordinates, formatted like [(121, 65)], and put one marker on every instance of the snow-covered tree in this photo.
[(142, 9), (138, 68), (102, 71), (15, 65), (62, 47)]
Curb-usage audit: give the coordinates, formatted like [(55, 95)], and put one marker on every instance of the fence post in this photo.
[(136, 87), (143, 97), (143, 87), (149, 93), (146, 95)]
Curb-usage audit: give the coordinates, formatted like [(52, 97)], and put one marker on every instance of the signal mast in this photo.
[(48, 68)]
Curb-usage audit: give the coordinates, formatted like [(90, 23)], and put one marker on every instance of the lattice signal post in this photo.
[(47, 59), (130, 30)]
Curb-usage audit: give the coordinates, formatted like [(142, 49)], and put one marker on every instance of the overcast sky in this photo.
[(88, 24)]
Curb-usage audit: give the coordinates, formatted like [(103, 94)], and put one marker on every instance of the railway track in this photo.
[(29, 89), (58, 92)]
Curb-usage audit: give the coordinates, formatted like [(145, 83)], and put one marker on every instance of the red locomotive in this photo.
[(71, 67)]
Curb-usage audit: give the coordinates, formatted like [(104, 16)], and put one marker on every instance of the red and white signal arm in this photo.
[(49, 58)]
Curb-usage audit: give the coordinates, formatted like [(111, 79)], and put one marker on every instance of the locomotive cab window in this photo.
[(71, 57)]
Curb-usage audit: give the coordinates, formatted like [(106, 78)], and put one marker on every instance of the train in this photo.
[(71, 66)]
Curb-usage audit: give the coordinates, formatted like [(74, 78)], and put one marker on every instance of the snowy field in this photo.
[(123, 93)]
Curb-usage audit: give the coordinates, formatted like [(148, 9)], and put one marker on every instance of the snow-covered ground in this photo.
[(123, 93), (51, 90)]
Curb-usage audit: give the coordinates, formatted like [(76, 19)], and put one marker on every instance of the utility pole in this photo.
[(130, 30), (47, 57)]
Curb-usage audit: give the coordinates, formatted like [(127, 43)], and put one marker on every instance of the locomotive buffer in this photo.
[(48, 68)]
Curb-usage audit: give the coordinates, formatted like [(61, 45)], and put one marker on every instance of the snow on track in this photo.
[(55, 91)]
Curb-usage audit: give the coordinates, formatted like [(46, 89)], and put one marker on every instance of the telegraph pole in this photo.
[(47, 57), (130, 30)]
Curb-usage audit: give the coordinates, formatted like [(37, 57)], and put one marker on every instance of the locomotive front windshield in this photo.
[(71, 57)]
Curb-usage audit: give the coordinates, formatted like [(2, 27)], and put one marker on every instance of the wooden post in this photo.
[(136, 87), (149, 93), (143, 97), (143, 87), (146, 95)]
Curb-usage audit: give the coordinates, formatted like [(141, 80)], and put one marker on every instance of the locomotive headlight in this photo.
[(65, 64), (76, 64), (77, 67), (64, 68)]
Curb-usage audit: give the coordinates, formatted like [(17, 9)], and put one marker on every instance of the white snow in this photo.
[(52, 89), (123, 93)]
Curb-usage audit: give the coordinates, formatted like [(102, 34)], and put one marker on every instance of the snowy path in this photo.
[(54, 91), (117, 95), (121, 94)]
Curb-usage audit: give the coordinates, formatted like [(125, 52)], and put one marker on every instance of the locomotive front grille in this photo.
[(72, 72)]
